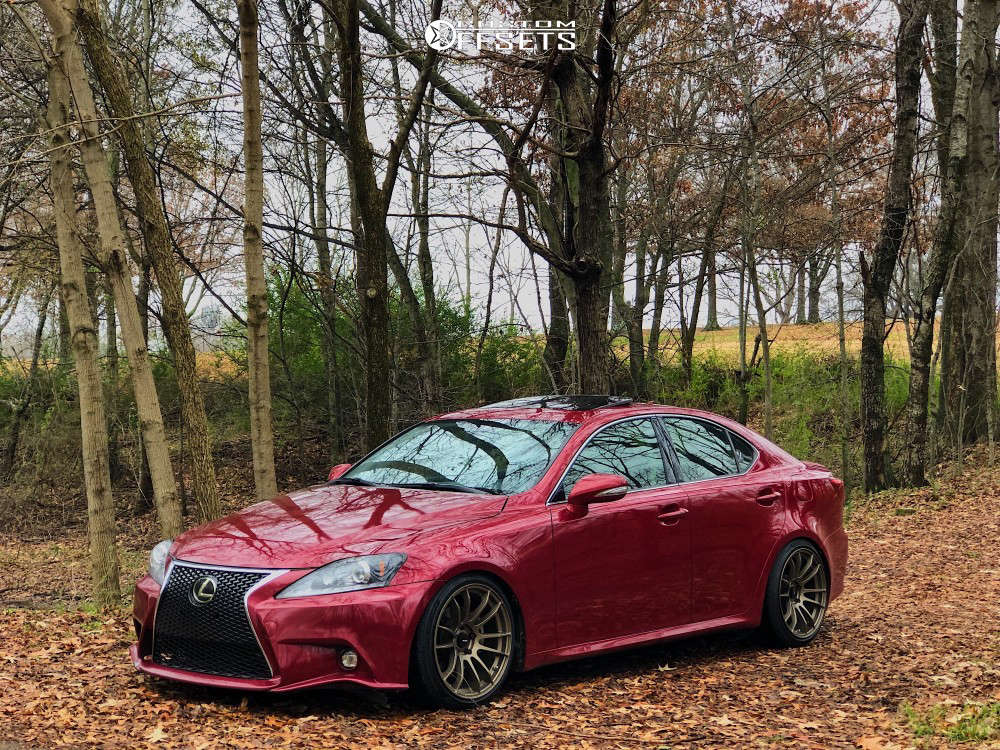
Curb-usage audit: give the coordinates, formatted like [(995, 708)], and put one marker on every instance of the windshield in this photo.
[(500, 456)]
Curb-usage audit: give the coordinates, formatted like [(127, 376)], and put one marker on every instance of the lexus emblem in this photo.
[(203, 590)]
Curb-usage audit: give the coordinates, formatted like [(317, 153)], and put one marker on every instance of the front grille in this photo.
[(215, 637)]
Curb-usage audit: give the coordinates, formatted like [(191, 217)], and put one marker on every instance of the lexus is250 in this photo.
[(496, 539)]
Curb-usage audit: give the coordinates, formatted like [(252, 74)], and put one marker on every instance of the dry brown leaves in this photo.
[(917, 625)]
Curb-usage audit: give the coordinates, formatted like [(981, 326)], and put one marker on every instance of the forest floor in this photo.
[(908, 657)]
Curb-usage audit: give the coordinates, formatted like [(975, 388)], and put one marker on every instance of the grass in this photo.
[(968, 722), (816, 338)]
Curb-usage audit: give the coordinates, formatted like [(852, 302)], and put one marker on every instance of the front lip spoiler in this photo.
[(274, 685)]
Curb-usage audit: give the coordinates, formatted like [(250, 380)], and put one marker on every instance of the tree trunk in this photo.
[(261, 429), (800, 296), (705, 274), (557, 338), (93, 424), (969, 315), (327, 295), (111, 352), (817, 270), (425, 264), (114, 257), (592, 321), (958, 200), (65, 348), (712, 317), (877, 276), (145, 499), (153, 221), (371, 203)]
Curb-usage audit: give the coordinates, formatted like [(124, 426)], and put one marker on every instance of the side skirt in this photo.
[(565, 653)]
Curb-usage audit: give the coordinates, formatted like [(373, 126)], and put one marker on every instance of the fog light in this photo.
[(349, 659)]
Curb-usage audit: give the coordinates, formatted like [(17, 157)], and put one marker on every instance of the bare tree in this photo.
[(261, 429), (93, 423), (156, 233), (876, 275)]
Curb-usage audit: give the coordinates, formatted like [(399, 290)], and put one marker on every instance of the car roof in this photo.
[(569, 408), (572, 409)]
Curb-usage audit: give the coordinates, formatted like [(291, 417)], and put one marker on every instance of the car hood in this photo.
[(314, 526)]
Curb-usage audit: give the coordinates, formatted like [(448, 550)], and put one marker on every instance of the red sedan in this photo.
[(496, 539)]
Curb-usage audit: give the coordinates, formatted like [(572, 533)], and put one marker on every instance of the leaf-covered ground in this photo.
[(908, 657)]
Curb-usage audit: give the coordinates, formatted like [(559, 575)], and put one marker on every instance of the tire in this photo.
[(798, 592), (466, 643)]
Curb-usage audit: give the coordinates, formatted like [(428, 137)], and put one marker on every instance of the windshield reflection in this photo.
[(496, 456)]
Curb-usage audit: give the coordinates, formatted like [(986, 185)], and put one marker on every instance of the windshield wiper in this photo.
[(356, 481), (449, 487)]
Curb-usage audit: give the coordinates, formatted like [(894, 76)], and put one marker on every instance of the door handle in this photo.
[(767, 497), (671, 514)]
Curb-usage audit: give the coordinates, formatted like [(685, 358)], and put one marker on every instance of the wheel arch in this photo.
[(793, 535), (497, 577)]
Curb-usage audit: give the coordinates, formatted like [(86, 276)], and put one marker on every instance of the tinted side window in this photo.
[(746, 454), (703, 449), (630, 449)]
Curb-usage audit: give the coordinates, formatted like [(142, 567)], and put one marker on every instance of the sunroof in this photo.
[(568, 403)]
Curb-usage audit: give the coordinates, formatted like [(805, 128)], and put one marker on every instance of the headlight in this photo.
[(158, 560), (352, 574)]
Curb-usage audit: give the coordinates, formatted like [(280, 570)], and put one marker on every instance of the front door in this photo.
[(624, 567)]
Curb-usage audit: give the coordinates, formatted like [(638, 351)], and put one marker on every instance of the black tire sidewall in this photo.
[(774, 622), (425, 677)]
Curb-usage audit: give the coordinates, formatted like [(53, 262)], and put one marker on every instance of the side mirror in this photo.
[(597, 488), (338, 471)]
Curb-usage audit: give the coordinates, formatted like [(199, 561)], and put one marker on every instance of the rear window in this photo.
[(704, 450)]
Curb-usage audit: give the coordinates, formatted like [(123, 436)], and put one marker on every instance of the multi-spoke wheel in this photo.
[(465, 642), (797, 594)]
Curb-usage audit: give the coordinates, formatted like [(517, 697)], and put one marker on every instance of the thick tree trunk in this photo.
[(156, 233), (114, 257), (261, 428), (958, 199), (557, 338), (93, 424), (969, 316), (592, 322), (371, 203), (877, 275)]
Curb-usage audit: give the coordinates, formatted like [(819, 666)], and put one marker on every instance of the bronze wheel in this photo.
[(798, 592), (466, 643), (473, 641), (803, 592)]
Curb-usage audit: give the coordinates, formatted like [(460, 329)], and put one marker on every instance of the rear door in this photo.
[(736, 515), (624, 567)]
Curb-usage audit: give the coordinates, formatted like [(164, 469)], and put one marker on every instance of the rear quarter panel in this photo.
[(816, 511)]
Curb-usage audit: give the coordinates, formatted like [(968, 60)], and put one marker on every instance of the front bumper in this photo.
[(302, 638)]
